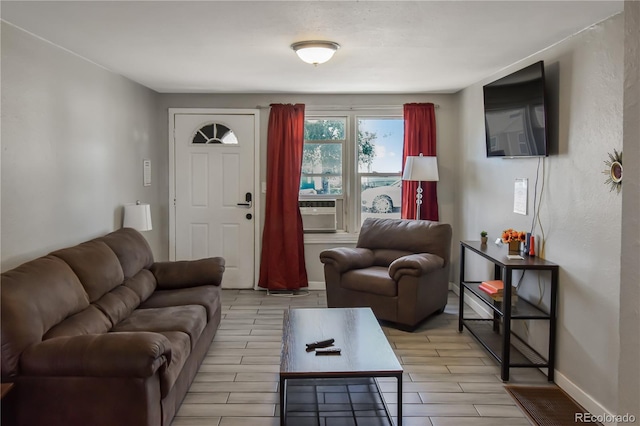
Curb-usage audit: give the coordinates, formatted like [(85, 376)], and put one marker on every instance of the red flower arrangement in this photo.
[(509, 235)]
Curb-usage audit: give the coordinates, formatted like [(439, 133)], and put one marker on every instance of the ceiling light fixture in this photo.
[(315, 51)]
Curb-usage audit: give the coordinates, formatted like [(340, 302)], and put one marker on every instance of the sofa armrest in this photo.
[(415, 265), (127, 354), (188, 273), (345, 258)]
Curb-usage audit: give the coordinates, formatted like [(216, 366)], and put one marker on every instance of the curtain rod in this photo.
[(347, 107)]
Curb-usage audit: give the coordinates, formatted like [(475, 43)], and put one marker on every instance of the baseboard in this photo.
[(582, 398), (313, 286), (317, 285)]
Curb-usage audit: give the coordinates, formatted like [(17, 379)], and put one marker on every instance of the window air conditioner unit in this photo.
[(318, 215)]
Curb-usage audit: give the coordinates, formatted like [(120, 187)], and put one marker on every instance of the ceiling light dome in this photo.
[(315, 51)]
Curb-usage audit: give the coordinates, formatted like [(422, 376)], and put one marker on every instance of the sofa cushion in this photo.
[(89, 321), (35, 296), (131, 248), (96, 265), (207, 296), (143, 283), (180, 351), (374, 280), (118, 303), (190, 319)]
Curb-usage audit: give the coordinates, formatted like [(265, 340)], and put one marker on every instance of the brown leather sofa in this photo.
[(399, 268), (99, 334)]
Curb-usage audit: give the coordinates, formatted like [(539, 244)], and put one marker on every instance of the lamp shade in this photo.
[(137, 216), (315, 51), (421, 168)]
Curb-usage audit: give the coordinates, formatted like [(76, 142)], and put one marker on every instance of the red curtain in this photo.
[(282, 261), (419, 137)]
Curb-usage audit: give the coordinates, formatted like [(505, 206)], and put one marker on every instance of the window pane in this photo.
[(321, 158), (381, 197), (380, 142), (326, 129), (321, 185)]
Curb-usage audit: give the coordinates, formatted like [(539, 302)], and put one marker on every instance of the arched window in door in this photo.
[(214, 133)]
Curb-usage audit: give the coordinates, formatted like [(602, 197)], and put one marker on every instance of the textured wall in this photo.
[(73, 139), (580, 217), (629, 372)]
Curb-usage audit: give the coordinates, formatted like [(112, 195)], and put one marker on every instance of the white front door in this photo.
[(214, 191)]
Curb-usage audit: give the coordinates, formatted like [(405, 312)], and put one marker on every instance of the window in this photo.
[(360, 168), (380, 144), (322, 165), (214, 133)]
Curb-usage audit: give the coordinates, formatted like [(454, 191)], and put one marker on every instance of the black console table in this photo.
[(495, 334)]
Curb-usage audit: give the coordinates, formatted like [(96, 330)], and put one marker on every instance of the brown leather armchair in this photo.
[(399, 268)]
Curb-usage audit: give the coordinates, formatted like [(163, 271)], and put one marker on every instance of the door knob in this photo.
[(248, 199)]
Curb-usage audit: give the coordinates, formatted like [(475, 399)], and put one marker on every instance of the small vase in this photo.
[(514, 246), (483, 240)]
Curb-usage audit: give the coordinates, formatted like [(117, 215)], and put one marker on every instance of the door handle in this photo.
[(248, 199)]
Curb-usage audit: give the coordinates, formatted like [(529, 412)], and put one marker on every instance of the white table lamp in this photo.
[(421, 169), (137, 216)]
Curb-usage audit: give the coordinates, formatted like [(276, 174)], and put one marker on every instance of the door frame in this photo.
[(257, 195)]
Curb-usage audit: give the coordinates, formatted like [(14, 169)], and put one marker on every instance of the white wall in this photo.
[(581, 218), (628, 369), (446, 127), (73, 139)]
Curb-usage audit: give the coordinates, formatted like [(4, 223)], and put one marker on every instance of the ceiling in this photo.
[(244, 46)]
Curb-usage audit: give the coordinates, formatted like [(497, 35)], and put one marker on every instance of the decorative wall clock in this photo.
[(614, 171)]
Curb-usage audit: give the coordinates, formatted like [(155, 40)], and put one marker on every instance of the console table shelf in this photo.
[(495, 334)]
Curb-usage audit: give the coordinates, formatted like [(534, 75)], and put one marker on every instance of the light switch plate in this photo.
[(146, 172)]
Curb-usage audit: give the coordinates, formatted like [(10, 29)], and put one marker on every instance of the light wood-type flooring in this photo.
[(449, 379)]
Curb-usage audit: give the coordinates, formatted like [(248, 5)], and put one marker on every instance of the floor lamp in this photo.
[(421, 169)]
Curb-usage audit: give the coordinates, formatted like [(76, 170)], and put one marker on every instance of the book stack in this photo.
[(495, 290)]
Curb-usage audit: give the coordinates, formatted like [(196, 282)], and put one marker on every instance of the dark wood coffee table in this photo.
[(365, 349)]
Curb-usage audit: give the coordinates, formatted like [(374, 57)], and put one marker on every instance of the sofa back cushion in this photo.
[(118, 303), (131, 248), (413, 236), (88, 321), (33, 298), (96, 265), (143, 284)]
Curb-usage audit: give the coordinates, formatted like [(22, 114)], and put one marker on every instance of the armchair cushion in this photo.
[(384, 257), (345, 258), (411, 236), (415, 265), (374, 280)]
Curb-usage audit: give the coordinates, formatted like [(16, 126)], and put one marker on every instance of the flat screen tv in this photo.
[(515, 114)]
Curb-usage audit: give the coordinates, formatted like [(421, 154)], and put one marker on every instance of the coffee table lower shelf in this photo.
[(335, 401)]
